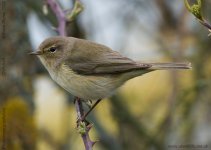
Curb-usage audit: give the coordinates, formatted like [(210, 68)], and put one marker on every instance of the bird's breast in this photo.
[(83, 86)]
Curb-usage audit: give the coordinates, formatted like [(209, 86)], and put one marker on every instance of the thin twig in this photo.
[(206, 24), (196, 10), (85, 135), (61, 17)]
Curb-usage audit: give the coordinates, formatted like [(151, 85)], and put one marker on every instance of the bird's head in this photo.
[(53, 50)]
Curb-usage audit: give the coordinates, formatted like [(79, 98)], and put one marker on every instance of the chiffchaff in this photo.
[(89, 70)]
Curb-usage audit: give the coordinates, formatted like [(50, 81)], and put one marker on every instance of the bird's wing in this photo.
[(89, 58)]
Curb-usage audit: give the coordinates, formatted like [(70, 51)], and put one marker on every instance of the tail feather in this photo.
[(163, 66)]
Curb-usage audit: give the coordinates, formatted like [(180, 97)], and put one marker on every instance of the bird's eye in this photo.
[(52, 49)]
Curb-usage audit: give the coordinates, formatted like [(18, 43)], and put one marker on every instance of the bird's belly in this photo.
[(87, 87)]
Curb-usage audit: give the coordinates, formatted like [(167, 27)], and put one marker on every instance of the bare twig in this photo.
[(206, 24), (82, 127), (63, 18), (60, 15)]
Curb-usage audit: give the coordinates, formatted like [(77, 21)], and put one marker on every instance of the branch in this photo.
[(206, 24), (196, 10), (63, 18), (60, 15), (83, 128), (77, 9)]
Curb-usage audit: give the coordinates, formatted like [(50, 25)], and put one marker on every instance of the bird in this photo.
[(89, 70)]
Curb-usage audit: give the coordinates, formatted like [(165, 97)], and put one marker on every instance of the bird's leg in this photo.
[(75, 99), (87, 113)]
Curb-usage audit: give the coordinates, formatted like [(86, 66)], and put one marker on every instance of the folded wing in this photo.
[(89, 58)]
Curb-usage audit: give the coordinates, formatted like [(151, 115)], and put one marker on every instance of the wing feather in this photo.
[(90, 58)]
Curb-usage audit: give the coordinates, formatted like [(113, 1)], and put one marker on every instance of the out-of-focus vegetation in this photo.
[(154, 111), (19, 125)]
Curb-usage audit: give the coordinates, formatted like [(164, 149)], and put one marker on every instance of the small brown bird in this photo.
[(89, 70)]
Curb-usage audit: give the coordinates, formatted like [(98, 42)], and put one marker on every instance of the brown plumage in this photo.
[(89, 70)]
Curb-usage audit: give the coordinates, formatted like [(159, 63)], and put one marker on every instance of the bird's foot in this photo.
[(89, 103), (75, 99)]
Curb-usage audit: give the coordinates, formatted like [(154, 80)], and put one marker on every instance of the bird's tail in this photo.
[(163, 66)]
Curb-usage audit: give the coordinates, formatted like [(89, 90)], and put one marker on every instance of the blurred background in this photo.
[(153, 112)]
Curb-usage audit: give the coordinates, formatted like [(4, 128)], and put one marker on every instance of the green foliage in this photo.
[(77, 9), (82, 128), (195, 9)]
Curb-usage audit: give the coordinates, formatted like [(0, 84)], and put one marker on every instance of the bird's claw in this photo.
[(89, 103)]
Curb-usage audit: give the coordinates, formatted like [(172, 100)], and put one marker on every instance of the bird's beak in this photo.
[(36, 53)]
